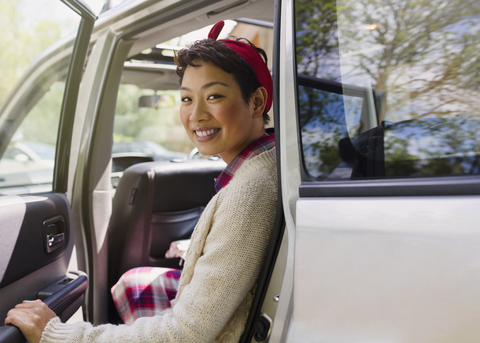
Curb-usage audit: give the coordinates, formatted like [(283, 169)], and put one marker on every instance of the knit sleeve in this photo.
[(238, 232)]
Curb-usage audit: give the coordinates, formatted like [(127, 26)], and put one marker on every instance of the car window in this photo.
[(34, 64), (388, 89), (147, 123)]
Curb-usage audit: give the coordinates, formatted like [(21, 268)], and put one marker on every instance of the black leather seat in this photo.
[(156, 203)]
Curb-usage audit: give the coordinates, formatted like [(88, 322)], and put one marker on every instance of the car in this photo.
[(27, 167), (157, 152), (386, 91)]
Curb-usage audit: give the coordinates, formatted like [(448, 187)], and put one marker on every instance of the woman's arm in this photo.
[(234, 231), (30, 317)]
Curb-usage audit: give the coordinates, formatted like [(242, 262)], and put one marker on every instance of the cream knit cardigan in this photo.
[(222, 265)]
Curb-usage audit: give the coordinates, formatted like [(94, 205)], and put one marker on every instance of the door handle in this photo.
[(54, 233), (55, 239)]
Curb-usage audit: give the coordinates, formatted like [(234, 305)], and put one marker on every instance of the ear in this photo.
[(259, 101)]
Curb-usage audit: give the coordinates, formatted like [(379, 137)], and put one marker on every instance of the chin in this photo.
[(206, 152)]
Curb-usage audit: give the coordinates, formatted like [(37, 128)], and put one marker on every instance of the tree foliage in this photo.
[(25, 34), (161, 125), (23, 38)]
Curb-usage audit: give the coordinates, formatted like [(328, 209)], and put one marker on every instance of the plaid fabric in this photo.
[(145, 292), (263, 144)]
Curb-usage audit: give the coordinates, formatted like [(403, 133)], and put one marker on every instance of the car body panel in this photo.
[(404, 272)]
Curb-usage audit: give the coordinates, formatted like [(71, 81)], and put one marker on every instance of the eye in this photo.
[(186, 99), (215, 96)]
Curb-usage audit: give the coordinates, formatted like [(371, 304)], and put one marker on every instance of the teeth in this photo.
[(206, 133)]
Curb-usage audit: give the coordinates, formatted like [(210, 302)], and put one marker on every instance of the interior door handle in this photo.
[(55, 239), (54, 233)]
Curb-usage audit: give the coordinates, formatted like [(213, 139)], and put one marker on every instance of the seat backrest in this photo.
[(156, 203)]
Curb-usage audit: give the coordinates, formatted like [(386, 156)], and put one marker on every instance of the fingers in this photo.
[(13, 318), (30, 304), (30, 317), (25, 313)]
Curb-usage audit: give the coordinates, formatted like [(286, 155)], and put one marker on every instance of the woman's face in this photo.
[(215, 115)]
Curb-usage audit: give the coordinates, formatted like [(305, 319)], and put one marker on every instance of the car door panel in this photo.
[(64, 296), (29, 271), (376, 275), (30, 251)]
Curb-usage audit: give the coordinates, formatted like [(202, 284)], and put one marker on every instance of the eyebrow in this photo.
[(207, 85)]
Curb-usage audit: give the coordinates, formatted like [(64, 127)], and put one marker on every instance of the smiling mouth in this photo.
[(206, 133)]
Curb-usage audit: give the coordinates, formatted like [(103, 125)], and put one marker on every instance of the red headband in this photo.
[(251, 56)]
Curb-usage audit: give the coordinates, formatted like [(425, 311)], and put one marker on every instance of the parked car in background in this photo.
[(387, 91), (27, 167), (157, 152)]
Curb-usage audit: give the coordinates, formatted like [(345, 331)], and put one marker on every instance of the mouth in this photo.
[(206, 133)]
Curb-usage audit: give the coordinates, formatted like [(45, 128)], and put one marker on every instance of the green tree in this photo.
[(316, 24), (23, 39), (161, 125), (414, 49)]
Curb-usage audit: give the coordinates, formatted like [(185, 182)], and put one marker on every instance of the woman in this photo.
[(226, 90)]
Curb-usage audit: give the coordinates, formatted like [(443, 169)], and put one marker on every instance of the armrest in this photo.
[(62, 293), (58, 296)]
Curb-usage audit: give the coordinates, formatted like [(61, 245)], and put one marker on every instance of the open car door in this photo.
[(36, 121), (381, 192)]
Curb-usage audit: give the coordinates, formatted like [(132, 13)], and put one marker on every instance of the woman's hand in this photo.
[(30, 317), (174, 251)]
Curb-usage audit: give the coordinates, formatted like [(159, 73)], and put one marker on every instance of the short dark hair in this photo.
[(220, 55)]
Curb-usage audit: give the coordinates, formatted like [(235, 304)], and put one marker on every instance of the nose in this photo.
[(199, 112)]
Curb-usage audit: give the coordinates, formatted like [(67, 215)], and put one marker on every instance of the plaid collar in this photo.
[(255, 148)]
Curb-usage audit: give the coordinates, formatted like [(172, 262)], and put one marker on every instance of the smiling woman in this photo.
[(226, 91), (216, 81), (209, 96)]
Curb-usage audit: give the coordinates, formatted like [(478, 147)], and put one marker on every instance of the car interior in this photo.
[(155, 204), (181, 188), (158, 202)]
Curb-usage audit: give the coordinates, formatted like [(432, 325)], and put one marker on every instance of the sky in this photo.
[(95, 5)]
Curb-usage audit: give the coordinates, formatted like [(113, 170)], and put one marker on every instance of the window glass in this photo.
[(147, 124), (33, 63), (388, 89)]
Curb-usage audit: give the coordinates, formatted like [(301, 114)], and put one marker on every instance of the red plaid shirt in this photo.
[(260, 145)]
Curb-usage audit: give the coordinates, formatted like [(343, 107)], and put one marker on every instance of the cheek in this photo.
[(236, 118), (184, 117), (231, 113)]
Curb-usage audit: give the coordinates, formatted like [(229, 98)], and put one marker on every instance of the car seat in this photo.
[(156, 203)]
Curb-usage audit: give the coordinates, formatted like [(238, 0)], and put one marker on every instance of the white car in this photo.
[(376, 118), (27, 167)]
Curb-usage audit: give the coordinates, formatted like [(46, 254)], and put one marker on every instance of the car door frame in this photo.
[(64, 292)]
